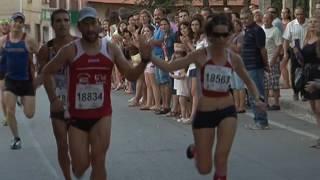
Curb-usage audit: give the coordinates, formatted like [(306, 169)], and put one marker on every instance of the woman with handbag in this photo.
[(311, 69)]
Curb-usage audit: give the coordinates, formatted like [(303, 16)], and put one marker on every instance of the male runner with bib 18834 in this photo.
[(89, 62), (17, 54), (60, 22), (216, 113)]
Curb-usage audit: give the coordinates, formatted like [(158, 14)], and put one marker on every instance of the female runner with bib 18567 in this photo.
[(216, 110)]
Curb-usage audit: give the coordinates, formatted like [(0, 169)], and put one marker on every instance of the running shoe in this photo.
[(16, 143), (257, 127), (190, 151), (19, 101), (4, 122), (186, 120)]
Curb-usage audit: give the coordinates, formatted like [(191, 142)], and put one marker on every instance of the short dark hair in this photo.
[(183, 10), (55, 12)]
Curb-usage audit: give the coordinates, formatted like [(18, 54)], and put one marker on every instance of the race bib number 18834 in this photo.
[(89, 96)]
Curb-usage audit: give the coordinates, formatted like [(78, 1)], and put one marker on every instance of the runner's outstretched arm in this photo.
[(179, 63), (240, 69), (127, 69)]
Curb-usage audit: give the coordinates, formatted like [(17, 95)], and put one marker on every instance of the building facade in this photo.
[(32, 11), (7, 7), (38, 12)]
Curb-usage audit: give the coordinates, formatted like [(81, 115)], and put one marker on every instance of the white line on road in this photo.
[(38, 148), (289, 128)]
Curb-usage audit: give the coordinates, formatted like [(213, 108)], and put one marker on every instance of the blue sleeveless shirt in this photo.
[(2, 62), (16, 57)]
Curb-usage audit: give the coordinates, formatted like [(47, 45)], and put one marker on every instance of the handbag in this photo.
[(299, 78)]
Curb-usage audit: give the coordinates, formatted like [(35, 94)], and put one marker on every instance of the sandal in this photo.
[(157, 110), (133, 104), (145, 108), (171, 114), (163, 111), (153, 108)]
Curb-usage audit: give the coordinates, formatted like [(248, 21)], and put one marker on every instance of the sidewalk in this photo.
[(299, 109)]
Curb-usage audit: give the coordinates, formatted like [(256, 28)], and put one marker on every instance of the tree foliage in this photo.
[(155, 3)]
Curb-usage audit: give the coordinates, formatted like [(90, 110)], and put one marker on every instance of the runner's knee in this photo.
[(204, 168), (29, 114)]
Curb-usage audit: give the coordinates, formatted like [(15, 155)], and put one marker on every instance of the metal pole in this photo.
[(20, 5)]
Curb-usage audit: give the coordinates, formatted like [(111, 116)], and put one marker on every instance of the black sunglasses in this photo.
[(217, 34)]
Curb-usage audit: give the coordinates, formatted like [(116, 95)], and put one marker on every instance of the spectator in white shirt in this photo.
[(294, 32), (273, 46)]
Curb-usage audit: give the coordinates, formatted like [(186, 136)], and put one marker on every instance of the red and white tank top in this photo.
[(216, 79), (90, 83)]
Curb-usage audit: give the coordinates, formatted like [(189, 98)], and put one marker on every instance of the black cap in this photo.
[(18, 15)]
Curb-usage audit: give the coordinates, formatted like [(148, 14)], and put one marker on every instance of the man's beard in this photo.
[(89, 38)]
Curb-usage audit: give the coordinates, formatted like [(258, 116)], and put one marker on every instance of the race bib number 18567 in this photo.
[(217, 78), (89, 96)]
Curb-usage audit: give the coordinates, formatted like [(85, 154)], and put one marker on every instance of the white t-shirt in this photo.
[(273, 40), (294, 30)]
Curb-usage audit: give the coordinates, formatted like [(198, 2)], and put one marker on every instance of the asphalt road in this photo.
[(145, 146)]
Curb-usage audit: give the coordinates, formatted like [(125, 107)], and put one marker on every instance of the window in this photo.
[(63, 4), (52, 3), (45, 1), (74, 4)]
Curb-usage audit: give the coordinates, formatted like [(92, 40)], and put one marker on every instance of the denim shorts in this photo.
[(162, 77)]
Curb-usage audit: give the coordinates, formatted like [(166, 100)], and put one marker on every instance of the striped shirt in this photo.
[(253, 41), (295, 30)]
